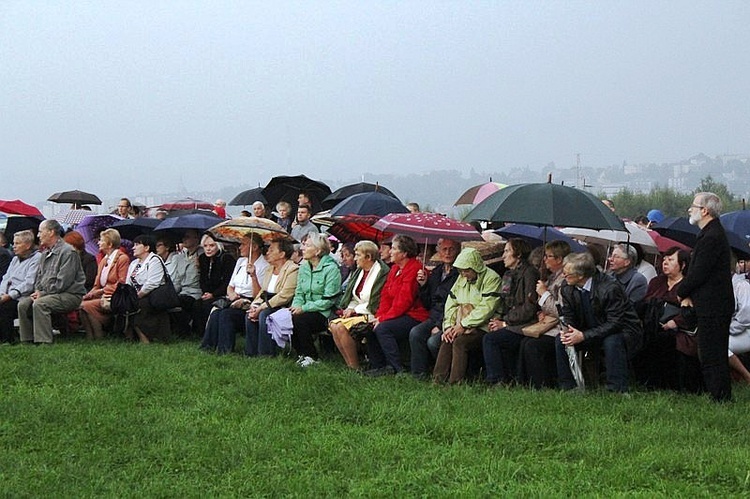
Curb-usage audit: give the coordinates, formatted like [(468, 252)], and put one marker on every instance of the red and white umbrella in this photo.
[(427, 228)]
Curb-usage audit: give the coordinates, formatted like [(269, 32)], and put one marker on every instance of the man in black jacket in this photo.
[(707, 287), (424, 338), (599, 315)]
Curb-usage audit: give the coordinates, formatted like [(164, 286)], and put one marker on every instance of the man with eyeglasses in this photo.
[(707, 287), (621, 263), (599, 317), (59, 286)]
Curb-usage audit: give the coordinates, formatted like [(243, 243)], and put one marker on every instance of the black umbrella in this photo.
[(197, 221), (368, 203), (17, 223), (679, 229), (546, 204), (248, 197), (287, 189), (132, 227), (75, 197), (349, 190)]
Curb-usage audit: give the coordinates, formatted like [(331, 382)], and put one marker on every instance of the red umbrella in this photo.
[(355, 228), (663, 243), (18, 207), (427, 228), (187, 204)]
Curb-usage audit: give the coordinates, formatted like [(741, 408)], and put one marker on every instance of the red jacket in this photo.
[(400, 295)]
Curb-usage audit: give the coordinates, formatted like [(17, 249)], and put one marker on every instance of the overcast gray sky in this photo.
[(124, 98)]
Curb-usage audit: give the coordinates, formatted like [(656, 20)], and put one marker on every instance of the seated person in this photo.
[(113, 269), (424, 338), (58, 288), (361, 297), (470, 305), (304, 226), (316, 296), (259, 209), (17, 282), (277, 290), (399, 311), (145, 274), (621, 263), (739, 328), (88, 261), (228, 315), (215, 267), (283, 215), (599, 316), (348, 265)]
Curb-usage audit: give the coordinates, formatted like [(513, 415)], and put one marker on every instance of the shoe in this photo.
[(299, 360), (306, 362), (380, 371)]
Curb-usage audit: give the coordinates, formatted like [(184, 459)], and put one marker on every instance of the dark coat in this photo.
[(611, 308), (215, 273), (709, 279), (519, 306), (435, 291)]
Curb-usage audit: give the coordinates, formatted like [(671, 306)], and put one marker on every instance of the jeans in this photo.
[(615, 361), (221, 329), (500, 350), (257, 339), (424, 347), (382, 343)]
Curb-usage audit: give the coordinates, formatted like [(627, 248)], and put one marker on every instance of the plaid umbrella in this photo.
[(73, 217)]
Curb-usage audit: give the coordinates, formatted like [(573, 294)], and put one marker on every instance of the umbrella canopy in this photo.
[(186, 204), (546, 204), (74, 197), (678, 229), (73, 217), (90, 228), (129, 228), (478, 193), (737, 222), (342, 193), (427, 228), (633, 235), (10, 224), (18, 207), (235, 229), (663, 243), (369, 203), (536, 236), (284, 188), (193, 221), (355, 228), (248, 197)]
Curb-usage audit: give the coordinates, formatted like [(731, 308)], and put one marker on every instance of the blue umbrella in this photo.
[(368, 203), (195, 221), (679, 229), (737, 222), (535, 236)]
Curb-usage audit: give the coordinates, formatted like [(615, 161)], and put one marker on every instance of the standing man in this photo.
[(304, 226), (59, 286), (707, 287)]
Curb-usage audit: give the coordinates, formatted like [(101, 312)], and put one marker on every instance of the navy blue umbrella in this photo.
[(368, 203), (679, 229), (342, 193), (536, 236), (195, 221), (129, 228)]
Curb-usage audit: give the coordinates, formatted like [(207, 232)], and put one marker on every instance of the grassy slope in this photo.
[(114, 419)]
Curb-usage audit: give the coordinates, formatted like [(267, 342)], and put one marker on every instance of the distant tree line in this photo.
[(671, 203)]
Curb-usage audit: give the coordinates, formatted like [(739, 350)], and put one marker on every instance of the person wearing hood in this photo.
[(315, 298), (470, 305), (17, 282), (621, 262)]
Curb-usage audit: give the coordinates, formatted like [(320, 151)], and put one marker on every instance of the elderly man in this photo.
[(470, 305), (708, 288), (424, 339), (599, 316), (621, 262), (59, 286), (17, 282), (304, 225)]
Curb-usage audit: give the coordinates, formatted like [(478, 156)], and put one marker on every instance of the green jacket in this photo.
[(483, 294), (318, 289)]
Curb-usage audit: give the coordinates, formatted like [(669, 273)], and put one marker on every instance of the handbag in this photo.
[(537, 329), (124, 300), (668, 313), (164, 297)]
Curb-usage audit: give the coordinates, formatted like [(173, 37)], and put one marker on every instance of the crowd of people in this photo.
[(388, 308)]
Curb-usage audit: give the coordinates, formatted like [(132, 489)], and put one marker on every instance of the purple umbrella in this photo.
[(90, 228)]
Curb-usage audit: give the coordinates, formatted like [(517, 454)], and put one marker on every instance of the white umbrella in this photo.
[(634, 235)]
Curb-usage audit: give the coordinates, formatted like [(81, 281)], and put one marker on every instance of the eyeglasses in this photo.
[(697, 206)]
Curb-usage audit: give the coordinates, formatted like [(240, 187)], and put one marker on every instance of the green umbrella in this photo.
[(546, 204)]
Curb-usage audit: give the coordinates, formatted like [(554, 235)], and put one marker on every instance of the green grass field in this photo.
[(125, 420)]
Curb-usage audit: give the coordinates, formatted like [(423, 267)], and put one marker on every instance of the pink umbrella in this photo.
[(187, 204), (427, 228), (479, 193)]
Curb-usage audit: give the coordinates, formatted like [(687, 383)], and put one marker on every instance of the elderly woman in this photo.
[(88, 262), (17, 282), (361, 298), (259, 209), (537, 355), (228, 315), (113, 269), (215, 267), (400, 309), (277, 290), (517, 308), (318, 287), (145, 274), (348, 264)]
